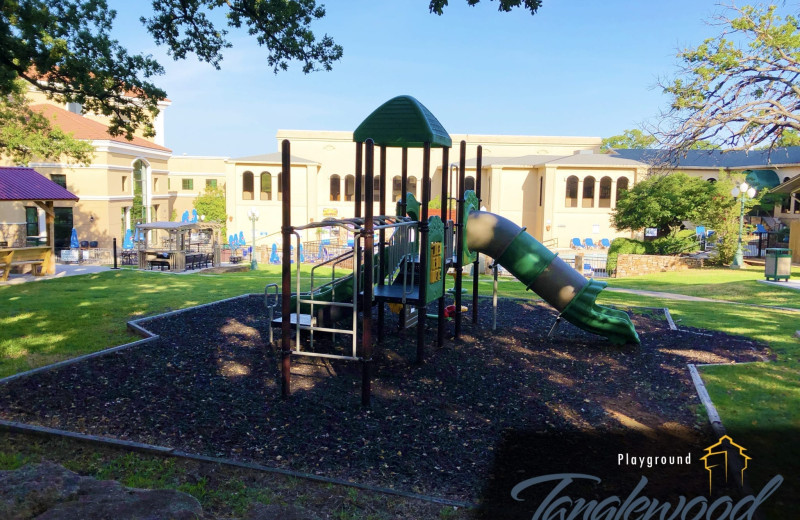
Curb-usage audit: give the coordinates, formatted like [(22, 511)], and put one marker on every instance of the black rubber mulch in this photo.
[(453, 426)]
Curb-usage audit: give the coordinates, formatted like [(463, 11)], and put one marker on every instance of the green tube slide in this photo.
[(543, 272)]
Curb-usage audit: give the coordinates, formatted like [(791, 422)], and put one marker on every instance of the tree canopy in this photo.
[(628, 139), (65, 49), (738, 90)]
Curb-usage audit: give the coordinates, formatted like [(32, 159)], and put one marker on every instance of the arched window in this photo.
[(349, 187), (605, 193), (266, 186), (712, 180), (588, 192), (280, 186), (571, 199), (785, 179), (139, 209), (412, 185), (336, 187), (247, 186), (396, 188), (469, 183), (376, 188), (622, 186)]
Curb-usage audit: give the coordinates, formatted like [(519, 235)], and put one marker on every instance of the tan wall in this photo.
[(634, 265), (794, 240)]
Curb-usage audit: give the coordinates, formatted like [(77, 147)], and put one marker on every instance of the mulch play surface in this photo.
[(476, 417)]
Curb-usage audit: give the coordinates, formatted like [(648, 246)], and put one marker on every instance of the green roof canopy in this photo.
[(403, 122), (762, 179)]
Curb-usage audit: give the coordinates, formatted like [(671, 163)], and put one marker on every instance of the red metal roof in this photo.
[(18, 183)]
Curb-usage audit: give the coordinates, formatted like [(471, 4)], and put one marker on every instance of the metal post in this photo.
[(114, 247), (286, 271), (424, 249), (738, 258), (494, 296), (403, 213), (440, 325), (476, 265), (357, 212), (460, 235), (382, 238), (369, 248)]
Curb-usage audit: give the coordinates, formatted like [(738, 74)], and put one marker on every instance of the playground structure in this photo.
[(406, 268)]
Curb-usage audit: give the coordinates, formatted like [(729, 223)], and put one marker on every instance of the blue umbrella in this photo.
[(185, 216), (127, 243), (241, 238), (194, 216), (73, 241), (232, 241)]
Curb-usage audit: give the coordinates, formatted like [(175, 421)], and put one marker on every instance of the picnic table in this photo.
[(37, 257)]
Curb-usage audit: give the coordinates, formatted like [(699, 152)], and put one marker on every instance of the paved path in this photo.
[(62, 270)]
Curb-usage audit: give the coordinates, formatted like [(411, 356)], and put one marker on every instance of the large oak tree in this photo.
[(65, 48)]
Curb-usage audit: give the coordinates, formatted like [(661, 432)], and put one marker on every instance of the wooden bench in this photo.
[(37, 257)]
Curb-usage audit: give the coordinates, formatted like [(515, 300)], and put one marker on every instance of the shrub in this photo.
[(676, 242), (626, 246)]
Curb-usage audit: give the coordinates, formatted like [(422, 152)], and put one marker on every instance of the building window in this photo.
[(155, 185), (247, 186), (59, 179), (280, 185), (336, 187), (265, 189), (154, 213), (376, 188), (187, 184), (469, 183), (588, 192), (31, 221), (605, 192), (75, 108), (169, 184), (211, 184), (349, 187), (397, 188), (139, 191), (571, 199), (622, 185), (125, 184), (412, 185)]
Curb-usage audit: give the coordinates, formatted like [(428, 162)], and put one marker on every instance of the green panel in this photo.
[(435, 252), (471, 203), (526, 258), (413, 207), (403, 122)]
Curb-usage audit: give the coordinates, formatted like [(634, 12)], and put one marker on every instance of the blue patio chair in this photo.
[(701, 231), (760, 229), (605, 243), (587, 270), (589, 243), (576, 244)]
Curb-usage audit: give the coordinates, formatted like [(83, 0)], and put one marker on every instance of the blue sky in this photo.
[(576, 68)]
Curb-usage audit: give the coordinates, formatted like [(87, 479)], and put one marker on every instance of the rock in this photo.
[(260, 511), (48, 491)]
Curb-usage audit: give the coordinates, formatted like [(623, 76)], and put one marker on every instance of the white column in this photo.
[(580, 192), (42, 218), (613, 201)]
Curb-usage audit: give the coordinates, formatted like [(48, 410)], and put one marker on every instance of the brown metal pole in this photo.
[(462, 160), (382, 238), (476, 265), (366, 338), (357, 212), (440, 325), (423, 251), (286, 273)]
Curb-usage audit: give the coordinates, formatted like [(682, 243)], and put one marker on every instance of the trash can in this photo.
[(778, 264)]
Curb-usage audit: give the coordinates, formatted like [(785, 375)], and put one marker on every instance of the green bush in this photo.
[(675, 243), (626, 246)]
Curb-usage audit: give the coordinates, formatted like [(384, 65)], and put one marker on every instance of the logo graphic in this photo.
[(722, 454)]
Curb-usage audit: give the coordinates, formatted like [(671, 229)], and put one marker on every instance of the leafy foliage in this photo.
[(211, 203), (662, 201), (25, 134), (437, 6), (628, 139), (737, 96), (625, 246)]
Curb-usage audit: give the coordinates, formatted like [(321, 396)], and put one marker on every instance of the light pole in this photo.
[(743, 191), (252, 214)]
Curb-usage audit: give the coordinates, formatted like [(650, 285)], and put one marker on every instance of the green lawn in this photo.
[(51, 320)]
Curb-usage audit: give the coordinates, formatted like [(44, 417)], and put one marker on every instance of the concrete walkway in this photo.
[(62, 270)]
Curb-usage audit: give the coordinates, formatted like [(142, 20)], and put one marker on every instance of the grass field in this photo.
[(52, 320)]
